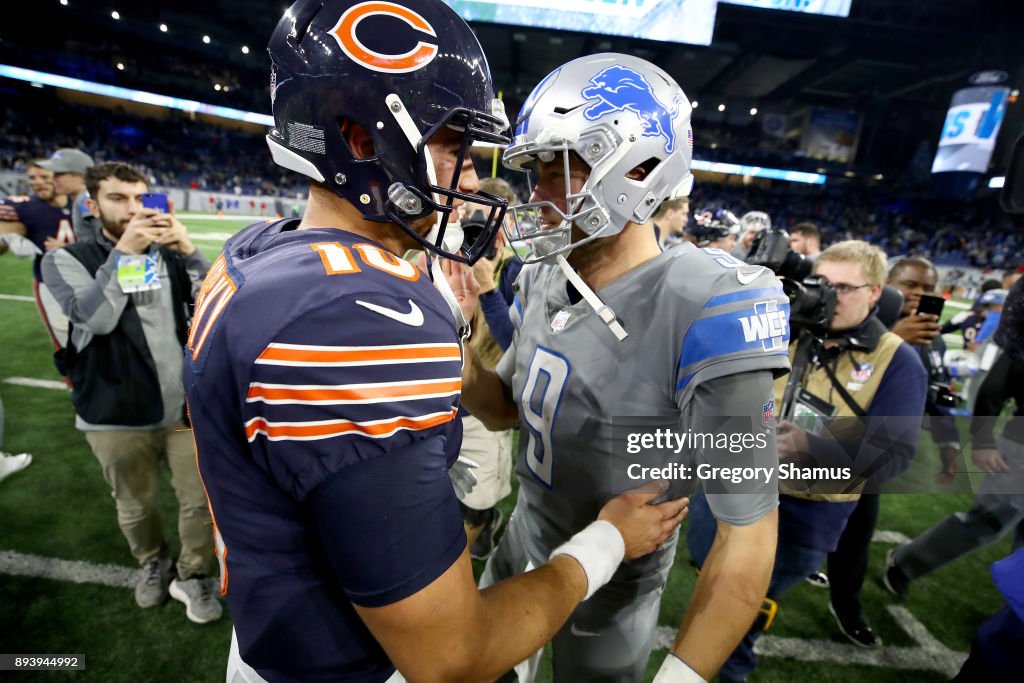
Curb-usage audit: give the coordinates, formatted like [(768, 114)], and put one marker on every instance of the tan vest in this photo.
[(860, 373)]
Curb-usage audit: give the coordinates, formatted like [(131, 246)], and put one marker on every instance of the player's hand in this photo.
[(464, 285), (947, 475), (484, 270), (174, 236), (51, 243), (644, 527), (792, 440), (917, 330), (141, 231), (989, 460), (463, 479)]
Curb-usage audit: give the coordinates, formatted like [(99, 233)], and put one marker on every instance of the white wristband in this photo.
[(599, 549), (675, 670)]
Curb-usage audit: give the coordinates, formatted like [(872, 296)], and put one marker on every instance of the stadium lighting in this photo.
[(37, 85), (206, 39), (41, 77), (245, 49), (694, 104), (721, 107), (759, 172), (226, 88), (996, 182), (753, 111), (163, 28), (217, 87), (879, 176), (115, 15), (64, 3), (120, 66)]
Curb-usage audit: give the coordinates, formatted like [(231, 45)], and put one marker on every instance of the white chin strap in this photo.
[(604, 312), (442, 286)]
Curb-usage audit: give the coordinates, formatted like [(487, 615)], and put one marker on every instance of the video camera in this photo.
[(943, 396), (812, 300), (472, 226)]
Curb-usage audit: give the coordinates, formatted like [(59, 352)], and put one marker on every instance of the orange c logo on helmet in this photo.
[(345, 32)]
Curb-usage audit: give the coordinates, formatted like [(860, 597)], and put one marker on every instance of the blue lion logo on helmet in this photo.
[(619, 88)]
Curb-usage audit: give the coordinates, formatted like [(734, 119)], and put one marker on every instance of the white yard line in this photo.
[(39, 567), (36, 383), (16, 297), (890, 537), (211, 236), (928, 655)]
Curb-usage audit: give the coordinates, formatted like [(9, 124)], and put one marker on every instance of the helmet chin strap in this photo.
[(604, 312), (445, 290)]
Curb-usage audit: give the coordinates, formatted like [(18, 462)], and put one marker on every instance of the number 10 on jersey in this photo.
[(541, 397)]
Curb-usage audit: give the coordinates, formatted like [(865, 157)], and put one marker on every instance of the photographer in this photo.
[(851, 385), (127, 296), (914, 277)]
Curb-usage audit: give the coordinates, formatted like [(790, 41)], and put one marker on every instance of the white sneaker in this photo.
[(201, 605), (9, 464)]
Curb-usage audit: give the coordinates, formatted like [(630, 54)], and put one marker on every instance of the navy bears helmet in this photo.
[(402, 70)]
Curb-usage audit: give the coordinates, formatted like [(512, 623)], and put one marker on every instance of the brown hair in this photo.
[(670, 204), (806, 229), (499, 187), (111, 169)]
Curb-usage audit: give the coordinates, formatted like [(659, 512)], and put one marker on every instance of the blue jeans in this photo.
[(793, 563)]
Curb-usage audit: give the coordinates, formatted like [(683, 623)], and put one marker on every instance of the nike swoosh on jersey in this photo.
[(413, 318), (744, 278)]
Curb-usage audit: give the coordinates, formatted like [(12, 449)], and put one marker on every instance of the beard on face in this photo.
[(45, 191), (583, 256), (113, 226)]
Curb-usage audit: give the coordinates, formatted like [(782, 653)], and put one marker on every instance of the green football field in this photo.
[(64, 565)]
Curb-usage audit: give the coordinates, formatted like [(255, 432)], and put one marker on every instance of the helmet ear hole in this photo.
[(358, 140), (643, 170)]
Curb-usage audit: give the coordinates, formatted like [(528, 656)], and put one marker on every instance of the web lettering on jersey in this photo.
[(217, 290), (540, 400)]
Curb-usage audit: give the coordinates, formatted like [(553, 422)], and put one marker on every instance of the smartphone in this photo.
[(930, 305), (156, 200)]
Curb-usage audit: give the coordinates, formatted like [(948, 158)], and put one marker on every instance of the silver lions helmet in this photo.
[(616, 113), (755, 221)]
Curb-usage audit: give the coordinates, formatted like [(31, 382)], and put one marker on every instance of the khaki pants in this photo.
[(130, 460)]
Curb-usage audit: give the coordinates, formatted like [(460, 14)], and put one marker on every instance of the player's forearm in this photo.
[(486, 397), (728, 595), (516, 617)]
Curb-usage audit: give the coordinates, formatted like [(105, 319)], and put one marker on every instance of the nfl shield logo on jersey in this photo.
[(559, 321), (768, 413)]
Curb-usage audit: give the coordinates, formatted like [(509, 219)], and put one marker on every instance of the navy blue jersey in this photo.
[(323, 380), (42, 220)]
